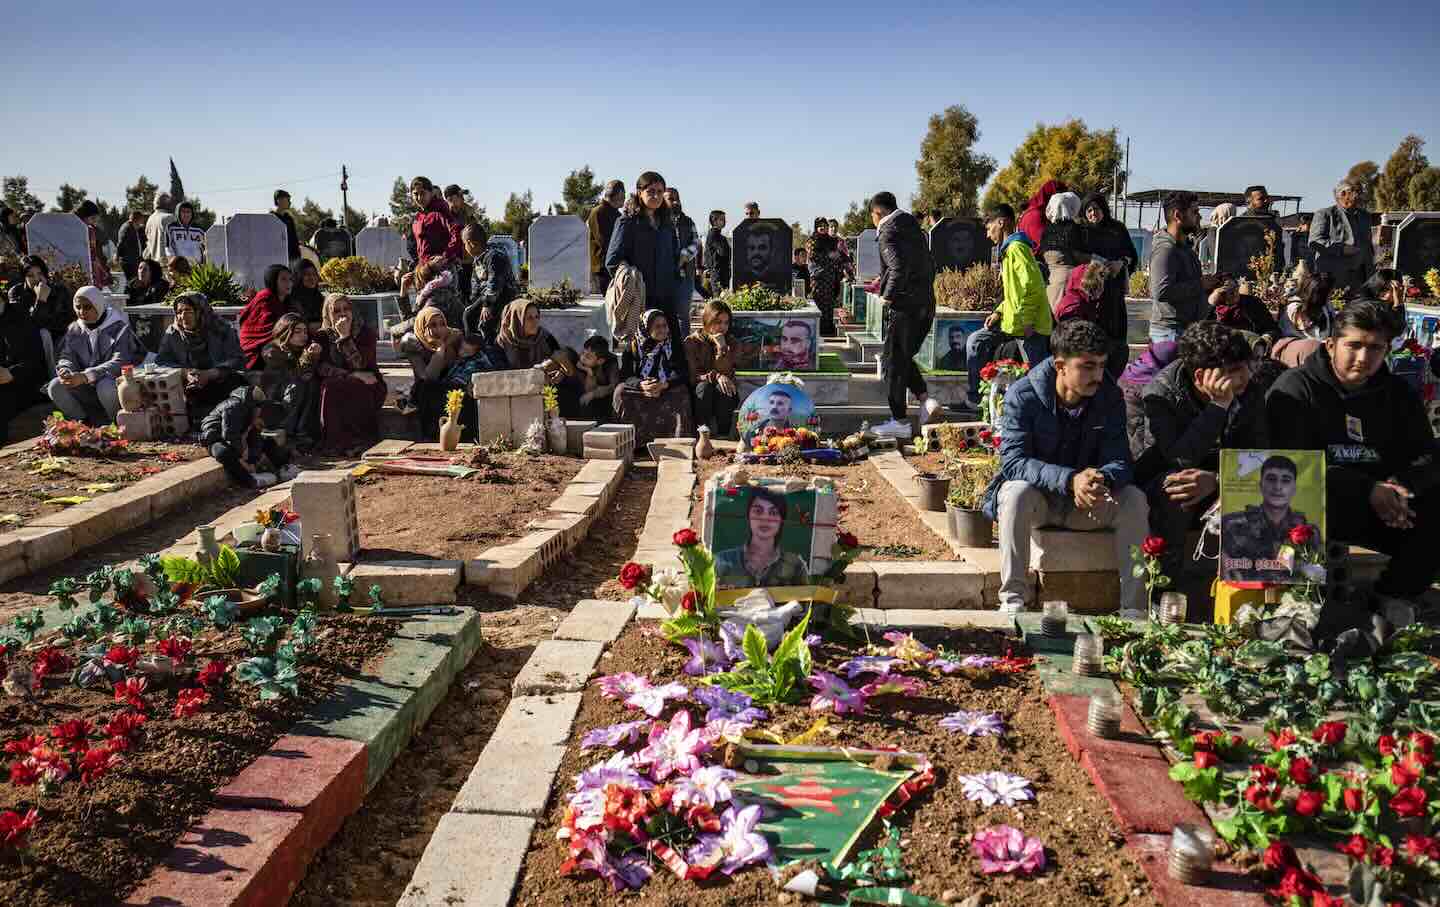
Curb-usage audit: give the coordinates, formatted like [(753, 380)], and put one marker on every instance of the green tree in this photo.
[(1363, 176), (580, 192), (1425, 190), (519, 215), (308, 218), (402, 207), (355, 221), (857, 219), (69, 197), (950, 171), (141, 196), (111, 219), (177, 188), (1085, 159), (1392, 189), (798, 236), (18, 194)]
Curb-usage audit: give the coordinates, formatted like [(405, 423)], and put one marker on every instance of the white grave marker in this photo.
[(867, 255), (61, 239), (381, 246), (560, 249), (254, 242)]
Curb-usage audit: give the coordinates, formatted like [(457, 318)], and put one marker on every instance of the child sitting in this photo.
[(597, 376), (473, 359), (232, 431)]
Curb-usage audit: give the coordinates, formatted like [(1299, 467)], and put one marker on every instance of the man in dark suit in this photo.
[(907, 290), (1340, 239)]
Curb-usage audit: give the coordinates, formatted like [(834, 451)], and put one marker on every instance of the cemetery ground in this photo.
[(34, 483)]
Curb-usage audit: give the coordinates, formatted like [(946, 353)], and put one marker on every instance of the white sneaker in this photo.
[(264, 479), (893, 429), (1011, 607), (930, 411)]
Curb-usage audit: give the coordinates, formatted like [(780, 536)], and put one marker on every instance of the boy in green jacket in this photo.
[(1024, 310)]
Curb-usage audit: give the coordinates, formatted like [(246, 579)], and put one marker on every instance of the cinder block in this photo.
[(494, 418), (1067, 551), (505, 570), (95, 521), (12, 568), (135, 426), (511, 777), (603, 437), (325, 500), (550, 543), (575, 433), (508, 383), (472, 860), (602, 453), (525, 410), (1091, 592), (558, 666), (409, 582)]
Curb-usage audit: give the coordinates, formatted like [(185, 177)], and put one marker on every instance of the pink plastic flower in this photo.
[(614, 735), (906, 647), (738, 844), (706, 657), (621, 872), (868, 664), (974, 724), (1006, 849), (651, 700), (673, 749), (833, 693), (622, 686), (990, 788), (709, 786), (893, 683)]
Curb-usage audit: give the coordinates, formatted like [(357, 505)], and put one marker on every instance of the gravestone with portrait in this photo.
[(956, 243), (254, 242), (777, 405), (1242, 238), (762, 253), (61, 239), (772, 534), (559, 250), (944, 347), (333, 242), (867, 255), (215, 245), (1417, 245), (382, 246)]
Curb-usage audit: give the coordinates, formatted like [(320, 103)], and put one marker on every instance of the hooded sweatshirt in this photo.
[(230, 421), (1025, 304), (1032, 222), (1177, 298), (101, 349), (1368, 434)]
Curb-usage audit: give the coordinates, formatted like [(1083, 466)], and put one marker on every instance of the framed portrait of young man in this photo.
[(1272, 523)]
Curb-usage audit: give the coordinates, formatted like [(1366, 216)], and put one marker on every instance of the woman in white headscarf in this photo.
[(1060, 247), (95, 348)]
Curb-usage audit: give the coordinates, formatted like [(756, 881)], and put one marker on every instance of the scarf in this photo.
[(526, 351), (654, 355), (107, 316), (423, 323), (344, 351), (197, 340)]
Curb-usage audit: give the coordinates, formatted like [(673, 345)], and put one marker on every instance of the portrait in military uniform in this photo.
[(1273, 513), (763, 537)]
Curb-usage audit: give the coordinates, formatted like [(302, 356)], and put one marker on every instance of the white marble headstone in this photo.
[(867, 255), (61, 239), (381, 246), (254, 242), (215, 245), (560, 249), (512, 248)]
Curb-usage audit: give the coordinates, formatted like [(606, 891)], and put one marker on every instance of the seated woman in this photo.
[(654, 394), (205, 345), (149, 286), (439, 289), (96, 347), (1306, 317), (524, 341), (761, 562), (22, 364), (306, 297), (351, 389), (597, 374), (432, 347), (45, 299), (710, 356), (290, 381), (257, 319)]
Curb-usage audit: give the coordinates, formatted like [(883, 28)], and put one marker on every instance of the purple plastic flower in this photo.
[(945, 665), (868, 664), (737, 845), (673, 749), (621, 872), (709, 785), (990, 788), (706, 657), (618, 769), (892, 683), (974, 724), (651, 700), (723, 703), (833, 693), (1006, 849), (812, 639), (614, 735), (732, 637), (979, 661), (622, 686)]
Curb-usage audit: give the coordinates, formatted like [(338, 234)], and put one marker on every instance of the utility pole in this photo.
[(344, 196)]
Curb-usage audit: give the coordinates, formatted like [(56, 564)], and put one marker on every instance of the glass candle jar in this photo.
[(1192, 851), (1103, 719), (1174, 609), (1089, 654), (1053, 618)]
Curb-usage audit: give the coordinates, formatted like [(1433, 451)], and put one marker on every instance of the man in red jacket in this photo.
[(437, 231)]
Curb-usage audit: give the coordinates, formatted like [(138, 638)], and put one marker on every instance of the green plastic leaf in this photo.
[(226, 567), (755, 651)]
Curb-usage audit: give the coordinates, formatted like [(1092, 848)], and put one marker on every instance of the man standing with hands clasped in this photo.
[(907, 290)]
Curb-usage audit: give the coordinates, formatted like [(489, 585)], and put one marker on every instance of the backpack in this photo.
[(625, 303)]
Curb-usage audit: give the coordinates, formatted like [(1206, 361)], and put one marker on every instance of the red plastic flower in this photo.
[(96, 763), (1409, 802), (189, 702), (176, 647), (1263, 774), (995, 442), (1153, 546), (25, 773), (1422, 743), (625, 807), (1206, 759), (72, 735), (1280, 855), (986, 435), (1386, 745), (633, 575), (1355, 848), (687, 602), (15, 828), (24, 745), (989, 371), (1309, 802), (124, 656), (1303, 534), (1281, 740), (1302, 771), (1426, 846), (1260, 797), (1296, 882), (847, 539), (129, 692), (1354, 799), (211, 675), (1383, 856), (685, 538), (50, 660), (1402, 775), (1330, 733)]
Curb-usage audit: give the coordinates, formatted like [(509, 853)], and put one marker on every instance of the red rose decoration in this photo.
[(985, 434), (989, 371), (1409, 802), (1422, 743), (1303, 534), (995, 442), (848, 540), (1309, 802), (1153, 546), (1330, 733), (1354, 799), (1401, 775), (1383, 856), (687, 602), (1386, 745), (1280, 855), (1354, 848), (1259, 797), (1422, 846), (1263, 774), (633, 574), (1283, 739), (685, 538), (1302, 771), (1206, 759)]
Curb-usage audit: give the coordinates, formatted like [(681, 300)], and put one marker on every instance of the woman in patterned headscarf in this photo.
[(654, 391), (351, 389), (206, 346)]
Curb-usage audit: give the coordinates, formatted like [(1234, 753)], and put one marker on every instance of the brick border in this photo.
[(253, 848)]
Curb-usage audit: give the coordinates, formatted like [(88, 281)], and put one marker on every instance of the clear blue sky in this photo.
[(802, 106)]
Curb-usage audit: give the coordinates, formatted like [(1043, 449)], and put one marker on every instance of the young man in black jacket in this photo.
[(907, 290), (1196, 405), (1382, 478), (232, 432)]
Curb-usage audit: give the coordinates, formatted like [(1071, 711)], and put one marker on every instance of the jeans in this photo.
[(1022, 508), (903, 339), (980, 350), (95, 403), (1171, 521)]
